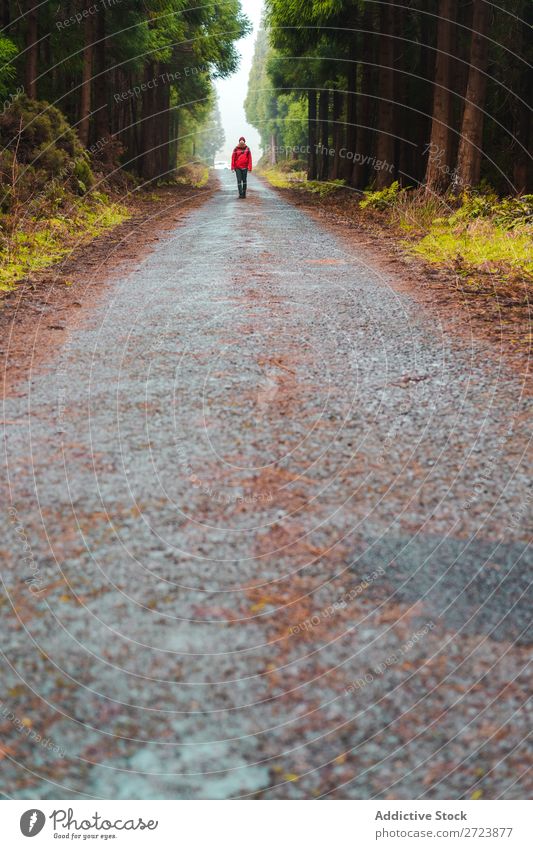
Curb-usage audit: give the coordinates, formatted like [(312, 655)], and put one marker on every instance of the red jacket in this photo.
[(241, 158)]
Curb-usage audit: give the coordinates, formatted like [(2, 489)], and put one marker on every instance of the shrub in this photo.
[(45, 145), (288, 165), (382, 199), (508, 213), (416, 210), (514, 212), (323, 188), (8, 53)]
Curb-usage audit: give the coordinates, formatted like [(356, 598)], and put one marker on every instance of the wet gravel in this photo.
[(266, 534)]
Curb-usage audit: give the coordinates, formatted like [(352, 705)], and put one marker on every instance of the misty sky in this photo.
[(231, 92)]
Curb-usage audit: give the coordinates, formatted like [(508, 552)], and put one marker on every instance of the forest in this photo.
[(267, 434), (134, 80), (100, 99), (429, 92)]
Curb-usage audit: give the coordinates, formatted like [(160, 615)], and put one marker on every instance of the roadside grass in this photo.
[(194, 174), (478, 245), (51, 198), (34, 243), (284, 179), (472, 232)]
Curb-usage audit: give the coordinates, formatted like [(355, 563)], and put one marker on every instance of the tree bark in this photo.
[(336, 134), (360, 168), (468, 169), (385, 142), (351, 118), (86, 81), (32, 49), (421, 119), (312, 168), (323, 115), (522, 121), (147, 153), (401, 116), (439, 149), (174, 132), (522, 163), (163, 122), (6, 16), (273, 149), (101, 109)]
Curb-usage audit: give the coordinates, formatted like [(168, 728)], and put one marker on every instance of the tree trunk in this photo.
[(401, 116), (522, 121), (364, 104), (163, 122), (101, 110), (133, 139), (468, 169), (360, 164), (6, 16), (522, 164), (385, 143), (147, 153), (351, 118), (32, 49), (86, 79), (312, 169), (273, 149), (336, 134), (323, 115), (174, 132), (439, 149)]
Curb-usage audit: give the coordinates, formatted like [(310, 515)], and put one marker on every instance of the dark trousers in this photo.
[(242, 174)]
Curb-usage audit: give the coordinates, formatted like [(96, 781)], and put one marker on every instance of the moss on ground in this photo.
[(475, 231), (38, 243), (298, 180), (479, 245)]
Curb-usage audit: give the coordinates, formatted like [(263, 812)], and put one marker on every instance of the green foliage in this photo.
[(383, 199), (193, 174), (508, 213), (323, 188), (260, 104), (83, 173), (294, 129), (483, 232), (175, 48), (474, 205), (280, 116), (415, 210), (514, 212), (37, 243), (8, 51), (287, 166), (40, 135), (481, 244), (42, 160), (284, 177), (201, 132)]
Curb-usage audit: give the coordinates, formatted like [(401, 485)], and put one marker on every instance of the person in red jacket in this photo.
[(241, 163)]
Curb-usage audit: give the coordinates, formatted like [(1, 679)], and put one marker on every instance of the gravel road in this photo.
[(265, 534)]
